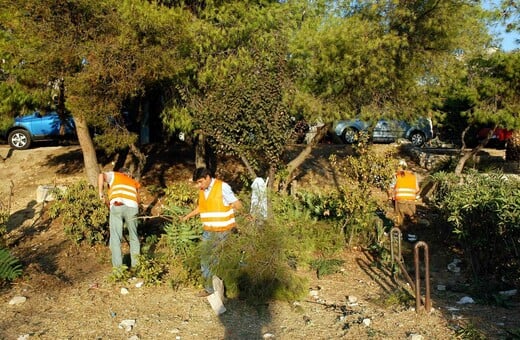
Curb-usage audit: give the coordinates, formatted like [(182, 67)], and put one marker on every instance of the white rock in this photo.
[(133, 337), (23, 337), (124, 291), (127, 324), (416, 337), (268, 336), (313, 293), (367, 322), (17, 300), (352, 299), (139, 284)]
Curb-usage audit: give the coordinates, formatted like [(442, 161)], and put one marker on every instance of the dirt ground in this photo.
[(68, 295)]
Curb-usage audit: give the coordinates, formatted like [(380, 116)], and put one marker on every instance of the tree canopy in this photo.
[(236, 71)]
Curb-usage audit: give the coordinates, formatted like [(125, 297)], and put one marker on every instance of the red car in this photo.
[(500, 135)]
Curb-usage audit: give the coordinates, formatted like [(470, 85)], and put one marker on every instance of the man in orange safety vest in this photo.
[(404, 190)]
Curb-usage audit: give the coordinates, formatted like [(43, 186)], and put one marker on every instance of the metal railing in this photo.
[(395, 241)]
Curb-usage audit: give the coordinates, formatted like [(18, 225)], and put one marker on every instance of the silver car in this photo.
[(385, 131)]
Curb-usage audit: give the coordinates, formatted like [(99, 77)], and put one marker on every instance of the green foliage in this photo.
[(83, 214), (10, 268), (470, 332), (326, 266), (368, 167), (151, 270), (399, 297), (119, 274), (257, 264), (353, 207), (354, 214), (514, 333), (483, 212), (181, 237)]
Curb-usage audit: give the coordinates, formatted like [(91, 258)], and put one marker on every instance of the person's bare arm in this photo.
[(101, 185), (194, 212), (237, 205)]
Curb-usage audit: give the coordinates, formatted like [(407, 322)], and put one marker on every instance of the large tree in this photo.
[(102, 54)]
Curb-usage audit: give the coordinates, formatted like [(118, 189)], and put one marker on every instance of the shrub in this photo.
[(84, 216), (180, 239), (483, 213), (353, 206)]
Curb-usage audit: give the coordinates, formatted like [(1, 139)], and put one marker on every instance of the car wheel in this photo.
[(19, 139), (417, 138), (350, 135)]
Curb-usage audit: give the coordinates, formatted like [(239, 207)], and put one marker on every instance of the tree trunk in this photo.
[(200, 151), (87, 148), (141, 160), (467, 155), (302, 156)]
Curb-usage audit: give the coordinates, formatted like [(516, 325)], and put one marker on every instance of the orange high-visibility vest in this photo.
[(215, 216), (123, 187), (406, 187)]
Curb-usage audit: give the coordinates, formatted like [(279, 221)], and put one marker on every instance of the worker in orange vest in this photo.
[(123, 201), (217, 205), (404, 190)]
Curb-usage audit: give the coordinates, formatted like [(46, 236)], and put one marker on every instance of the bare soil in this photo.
[(69, 297)]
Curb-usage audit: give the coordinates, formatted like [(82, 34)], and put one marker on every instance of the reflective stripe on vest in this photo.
[(406, 187), (215, 216), (123, 187)]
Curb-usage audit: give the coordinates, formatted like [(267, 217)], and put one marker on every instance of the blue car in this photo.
[(385, 131), (39, 127)]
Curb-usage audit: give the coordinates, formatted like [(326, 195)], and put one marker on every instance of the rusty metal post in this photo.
[(427, 301), (395, 232)]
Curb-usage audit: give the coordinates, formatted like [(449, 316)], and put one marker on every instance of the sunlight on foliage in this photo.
[(483, 213), (84, 216)]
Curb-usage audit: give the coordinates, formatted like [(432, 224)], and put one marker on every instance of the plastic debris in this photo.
[(216, 303), (465, 300)]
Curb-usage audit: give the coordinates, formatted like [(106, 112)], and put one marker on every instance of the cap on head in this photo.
[(402, 164)]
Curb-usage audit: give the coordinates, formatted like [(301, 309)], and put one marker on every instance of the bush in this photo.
[(84, 216), (482, 211)]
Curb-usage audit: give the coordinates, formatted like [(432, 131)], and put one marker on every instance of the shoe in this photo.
[(203, 293)]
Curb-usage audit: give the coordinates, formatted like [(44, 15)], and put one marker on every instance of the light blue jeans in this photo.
[(210, 241), (120, 215)]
